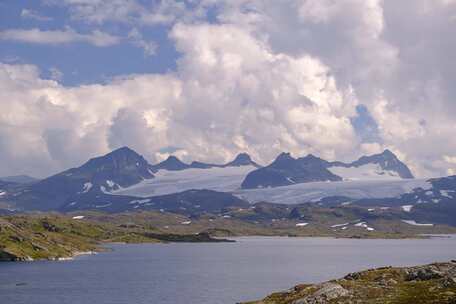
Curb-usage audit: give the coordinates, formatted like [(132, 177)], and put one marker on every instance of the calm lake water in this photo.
[(206, 273)]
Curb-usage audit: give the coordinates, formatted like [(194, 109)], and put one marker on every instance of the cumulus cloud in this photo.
[(228, 90), (303, 76), (55, 37)]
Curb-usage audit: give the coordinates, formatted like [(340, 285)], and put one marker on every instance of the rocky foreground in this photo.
[(434, 283)]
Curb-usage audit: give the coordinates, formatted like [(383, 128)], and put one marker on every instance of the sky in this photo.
[(207, 79)]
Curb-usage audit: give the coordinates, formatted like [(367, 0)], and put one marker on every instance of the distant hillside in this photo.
[(19, 179), (120, 168)]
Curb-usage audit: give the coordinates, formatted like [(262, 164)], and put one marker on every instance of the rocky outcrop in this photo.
[(434, 283), (325, 293)]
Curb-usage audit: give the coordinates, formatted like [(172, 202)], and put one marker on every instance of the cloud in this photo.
[(400, 69), (55, 74), (149, 47), (145, 13), (56, 37), (349, 77), (229, 89), (31, 14), (130, 128)]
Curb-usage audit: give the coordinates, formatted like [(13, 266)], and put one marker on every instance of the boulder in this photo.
[(326, 292), (424, 274)]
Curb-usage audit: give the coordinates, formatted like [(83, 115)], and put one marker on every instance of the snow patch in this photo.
[(186, 223), (78, 217), (110, 183), (314, 191), (412, 222), (340, 225), (364, 225), (290, 180), (139, 202), (103, 206), (407, 208), (166, 182), (86, 188), (446, 193), (365, 172), (301, 224)]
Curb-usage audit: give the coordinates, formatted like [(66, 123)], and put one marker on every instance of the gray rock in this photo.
[(449, 281), (424, 274), (352, 276), (326, 293)]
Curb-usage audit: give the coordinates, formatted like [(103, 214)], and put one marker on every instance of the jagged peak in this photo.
[(171, 163), (284, 156), (242, 159), (311, 157), (123, 152), (172, 158), (388, 153), (242, 155)]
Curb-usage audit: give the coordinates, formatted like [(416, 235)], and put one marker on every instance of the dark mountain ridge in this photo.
[(172, 163), (120, 168), (286, 170)]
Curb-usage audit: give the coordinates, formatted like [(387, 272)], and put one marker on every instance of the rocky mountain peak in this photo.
[(172, 163), (242, 159)]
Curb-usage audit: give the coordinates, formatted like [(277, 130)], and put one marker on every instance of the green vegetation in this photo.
[(54, 236), (434, 283)]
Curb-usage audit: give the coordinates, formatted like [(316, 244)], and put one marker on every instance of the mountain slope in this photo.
[(120, 168), (189, 202), (286, 170), (19, 179), (378, 166)]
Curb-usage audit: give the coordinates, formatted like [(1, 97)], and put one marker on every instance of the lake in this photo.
[(207, 273)]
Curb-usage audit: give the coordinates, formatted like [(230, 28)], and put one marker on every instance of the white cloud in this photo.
[(149, 47), (228, 90), (268, 76), (132, 12), (31, 14), (55, 37), (450, 159)]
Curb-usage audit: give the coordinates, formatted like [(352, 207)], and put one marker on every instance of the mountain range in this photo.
[(286, 170), (123, 180)]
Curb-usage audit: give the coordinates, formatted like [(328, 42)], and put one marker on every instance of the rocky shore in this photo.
[(433, 283)]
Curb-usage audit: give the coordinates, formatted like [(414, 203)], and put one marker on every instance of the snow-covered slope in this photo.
[(364, 172), (229, 180), (305, 192), (166, 182)]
